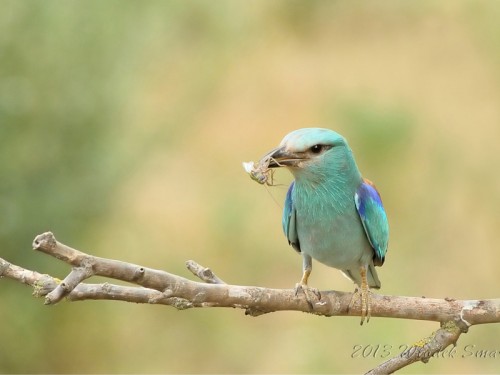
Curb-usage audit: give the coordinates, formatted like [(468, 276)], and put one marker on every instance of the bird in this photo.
[(331, 213)]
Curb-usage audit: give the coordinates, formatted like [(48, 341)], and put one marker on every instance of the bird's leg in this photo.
[(366, 308), (302, 285), (363, 292), (306, 271)]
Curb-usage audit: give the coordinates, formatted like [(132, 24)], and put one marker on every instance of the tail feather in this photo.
[(373, 280), (355, 276)]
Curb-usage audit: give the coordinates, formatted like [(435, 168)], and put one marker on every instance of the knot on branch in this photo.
[(138, 274), (44, 285), (180, 303), (4, 265), (44, 241)]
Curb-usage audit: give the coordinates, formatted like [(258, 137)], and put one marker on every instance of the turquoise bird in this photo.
[(331, 213)]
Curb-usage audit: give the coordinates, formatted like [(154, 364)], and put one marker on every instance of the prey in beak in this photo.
[(262, 172), (281, 157)]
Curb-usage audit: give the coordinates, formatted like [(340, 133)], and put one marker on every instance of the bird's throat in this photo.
[(318, 197)]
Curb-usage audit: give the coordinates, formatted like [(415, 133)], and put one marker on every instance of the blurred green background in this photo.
[(123, 125)]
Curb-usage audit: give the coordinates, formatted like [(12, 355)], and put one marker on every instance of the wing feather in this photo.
[(289, 220), (374, 219)]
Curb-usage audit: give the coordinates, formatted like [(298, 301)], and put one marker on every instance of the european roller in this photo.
[(331, 213)]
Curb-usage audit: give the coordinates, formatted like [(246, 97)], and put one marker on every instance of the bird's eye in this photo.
[(316, 149)]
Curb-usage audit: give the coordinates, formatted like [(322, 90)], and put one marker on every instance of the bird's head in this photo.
[(313, 153)]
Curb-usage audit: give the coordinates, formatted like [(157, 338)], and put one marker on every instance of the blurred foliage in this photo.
[(123, 125), (381, 132)]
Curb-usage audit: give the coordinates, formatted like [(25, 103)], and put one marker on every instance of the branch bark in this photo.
[(160, 287)]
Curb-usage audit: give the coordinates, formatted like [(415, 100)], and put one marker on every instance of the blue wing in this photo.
[(372, 214), (289, 220)]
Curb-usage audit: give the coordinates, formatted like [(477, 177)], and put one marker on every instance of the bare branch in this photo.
[(160, 287), (423, 350), (214, 292)]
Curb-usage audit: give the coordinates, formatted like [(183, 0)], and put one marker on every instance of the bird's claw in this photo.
[(364, 295), (312, 294)]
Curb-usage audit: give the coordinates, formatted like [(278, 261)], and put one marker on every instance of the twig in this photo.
[(423, 350), (203, 273), (160, 287)]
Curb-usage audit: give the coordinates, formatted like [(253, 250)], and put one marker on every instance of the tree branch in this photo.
[(422, 350), (160, 287)]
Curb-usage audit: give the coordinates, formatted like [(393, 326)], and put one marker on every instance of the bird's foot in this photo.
[(312, 294), (364, 295)]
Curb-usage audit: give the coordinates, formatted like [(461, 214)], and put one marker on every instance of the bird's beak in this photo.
[(281, 157)]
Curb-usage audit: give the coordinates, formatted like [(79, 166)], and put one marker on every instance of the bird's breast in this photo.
[(332, 233)]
